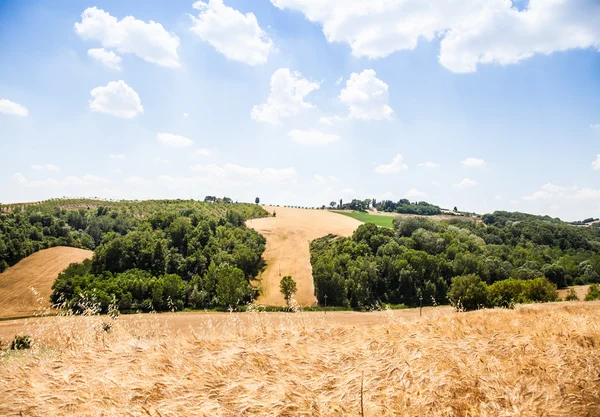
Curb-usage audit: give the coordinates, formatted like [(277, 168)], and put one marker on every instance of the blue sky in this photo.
[(480, 104)]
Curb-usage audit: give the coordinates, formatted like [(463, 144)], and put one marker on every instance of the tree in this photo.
[(468, 292), (332, 204), (287, 286), (257, 200), (232, 287), (455, 209)]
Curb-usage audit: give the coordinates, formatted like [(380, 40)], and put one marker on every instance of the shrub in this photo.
[(468, 292), (593, 293), (506, 293), (20, 342), (571, 295), (539, 290)]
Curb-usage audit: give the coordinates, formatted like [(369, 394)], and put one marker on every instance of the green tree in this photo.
[(468, 292), (288, 288), (232, 287), (593, 293), (257, 200), (571, 295)]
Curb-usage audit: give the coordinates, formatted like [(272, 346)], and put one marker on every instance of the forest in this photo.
[(510, 257), (151, 255)]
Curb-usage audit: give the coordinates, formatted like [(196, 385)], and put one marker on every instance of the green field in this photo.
[(382, 221)]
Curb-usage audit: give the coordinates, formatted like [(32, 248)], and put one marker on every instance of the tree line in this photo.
[(421, 258)]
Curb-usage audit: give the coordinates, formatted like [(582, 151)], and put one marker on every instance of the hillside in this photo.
[(539, 360), (288, 236), (37, 271)]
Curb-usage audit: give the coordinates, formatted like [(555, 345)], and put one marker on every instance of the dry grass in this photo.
[(580, 290), (38, 271), (538, 360), (287, 252)]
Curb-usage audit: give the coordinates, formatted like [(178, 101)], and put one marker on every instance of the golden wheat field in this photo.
[(538, 360)]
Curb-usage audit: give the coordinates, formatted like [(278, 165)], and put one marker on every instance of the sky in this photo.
[(481, 104)]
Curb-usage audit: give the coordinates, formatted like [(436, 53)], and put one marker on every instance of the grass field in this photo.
[(536, 360), (379, 220)]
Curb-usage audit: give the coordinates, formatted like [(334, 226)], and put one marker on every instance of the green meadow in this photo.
[(379, 220)]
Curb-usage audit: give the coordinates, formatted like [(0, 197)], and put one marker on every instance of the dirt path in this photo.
[(288, 236), (38, 271)]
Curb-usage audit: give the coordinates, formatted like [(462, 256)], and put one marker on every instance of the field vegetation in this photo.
[(420, 260), (149, 256), (542, 360), (381, 221)]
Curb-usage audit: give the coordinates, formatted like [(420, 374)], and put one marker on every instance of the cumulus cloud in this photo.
[(237, 36), (205, 152), (596, 163), (473, 163), (288, 90), (429, 164), (48, 167), (596, 126), (366, 96), (552, 192), (149, 41), (238, 175), (414, 194), (117, 99), (312, 137), (325, 180), (174, 141), (107, 58), (116, 156), (394, 167), (466, 183), (472, 32), (10, 107)]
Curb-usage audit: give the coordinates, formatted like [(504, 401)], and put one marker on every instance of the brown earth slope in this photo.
[(38, 271), (288, 236)]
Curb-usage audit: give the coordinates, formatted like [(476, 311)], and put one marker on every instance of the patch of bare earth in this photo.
[(287, 253), (38, 271), (538, 360)]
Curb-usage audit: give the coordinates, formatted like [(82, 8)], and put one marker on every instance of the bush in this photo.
[(20, 342), (571, 295), (468, 292), (593, 293), (506, 293), (539, 290)]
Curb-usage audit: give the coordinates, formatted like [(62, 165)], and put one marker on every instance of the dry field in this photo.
[(538, 360), (580, 290), (287, 253), (38, 271)]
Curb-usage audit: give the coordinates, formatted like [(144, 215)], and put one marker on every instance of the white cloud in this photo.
[(235, 35), (137, 181), (596, 126), (312, 137), (49, 167), (238, 175), (552, 192), (472, 32), (322, 179), (348, 191), (117, 99), (414, 194), (116, 156), (498, 197), (366, 97), (149, 41), (339, 80), (85, 180), (466, 183), (596, 163), (174, 141), (160, 160), (394, 167), (288, 90), (185, 114), (429, 164), (108, 58), (10, 107), (205, 152), (330, 120), (473, 163)]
